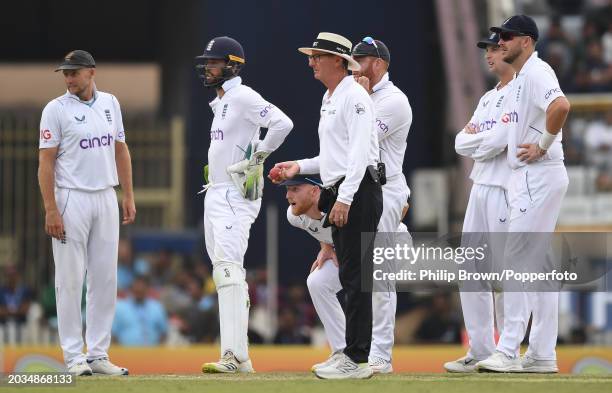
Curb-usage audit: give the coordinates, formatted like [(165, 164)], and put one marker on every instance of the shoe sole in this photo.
[(211, 369), (542, 370), (499, 370), (455, 371), (360, 377), (84, 374)]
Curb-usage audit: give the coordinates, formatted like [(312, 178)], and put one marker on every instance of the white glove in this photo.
[(247, 174)]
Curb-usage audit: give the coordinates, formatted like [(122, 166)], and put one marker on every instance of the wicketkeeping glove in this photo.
[(247, 174)]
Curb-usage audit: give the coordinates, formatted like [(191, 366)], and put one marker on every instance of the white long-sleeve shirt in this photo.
[(239, 115), (393, 121), (490, 167), (533, 90), (348, 142)]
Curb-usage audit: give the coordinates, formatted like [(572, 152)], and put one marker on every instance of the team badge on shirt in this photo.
[(108, 116), (224, 111), (359, 108)]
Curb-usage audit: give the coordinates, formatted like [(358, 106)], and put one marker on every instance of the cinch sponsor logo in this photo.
[(486, 125), (510, 117), (216, 135), (265, 110), (383, 127), (551, 92), (105, 140)]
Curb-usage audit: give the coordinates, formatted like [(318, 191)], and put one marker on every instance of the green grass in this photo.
[(306, 382)]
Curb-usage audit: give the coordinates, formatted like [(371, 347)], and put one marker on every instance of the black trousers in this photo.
[(364, 215)]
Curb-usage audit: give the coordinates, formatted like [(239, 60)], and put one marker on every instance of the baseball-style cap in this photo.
[(77, 59), (518, 24), (493, 39), (371, 47), (303, 179)]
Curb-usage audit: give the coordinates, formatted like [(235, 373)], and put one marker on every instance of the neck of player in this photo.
[(334, 80)]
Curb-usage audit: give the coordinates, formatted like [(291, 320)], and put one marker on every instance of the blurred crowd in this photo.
[(170, 298)]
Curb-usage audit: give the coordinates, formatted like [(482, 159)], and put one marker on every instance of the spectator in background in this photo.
[(556, 48), (598, 142), (125, 265), (606, 42), (594, 74), (440, 324), (140, 320), (289, 331), (15, 298), (201, 321)]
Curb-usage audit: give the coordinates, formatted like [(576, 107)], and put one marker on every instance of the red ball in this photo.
[(275, 173)]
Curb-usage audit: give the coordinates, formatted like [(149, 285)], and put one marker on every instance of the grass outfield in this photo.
[(306, 382)]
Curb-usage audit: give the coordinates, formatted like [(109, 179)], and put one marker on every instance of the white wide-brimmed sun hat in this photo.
[(334, 44)]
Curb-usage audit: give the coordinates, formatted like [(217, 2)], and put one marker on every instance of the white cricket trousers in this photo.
[(536, 192), (91, 222), (488, 211), (227, 222)]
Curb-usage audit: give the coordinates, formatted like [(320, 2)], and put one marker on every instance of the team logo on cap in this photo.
[(69, 56), (210, 45)]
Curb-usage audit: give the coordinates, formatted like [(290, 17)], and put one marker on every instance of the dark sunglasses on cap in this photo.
[(370, 41), (509, 35)]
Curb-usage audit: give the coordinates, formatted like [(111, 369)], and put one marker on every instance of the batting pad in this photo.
[(233, 295)]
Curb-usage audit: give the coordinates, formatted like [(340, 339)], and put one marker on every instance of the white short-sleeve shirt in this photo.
[(85, 134)]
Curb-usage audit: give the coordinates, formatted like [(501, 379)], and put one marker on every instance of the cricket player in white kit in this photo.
[(235, 184), (323, 281), (83, 155), (536, 110), (484, 139), (393, 121)]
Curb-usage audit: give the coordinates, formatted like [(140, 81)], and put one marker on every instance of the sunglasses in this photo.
[(509, 35), (316, 58), (370, 41)]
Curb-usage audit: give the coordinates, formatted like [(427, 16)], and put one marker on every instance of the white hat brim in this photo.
[(352, 64)]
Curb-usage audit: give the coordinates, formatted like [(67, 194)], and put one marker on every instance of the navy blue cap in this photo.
[(303, 179), (493, 39), (77, 59), (519, 24), (371, 47)]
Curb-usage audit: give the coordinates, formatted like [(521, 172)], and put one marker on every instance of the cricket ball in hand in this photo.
[(275, 174)]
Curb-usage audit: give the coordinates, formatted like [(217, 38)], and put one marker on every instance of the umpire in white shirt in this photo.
[(352, 196)]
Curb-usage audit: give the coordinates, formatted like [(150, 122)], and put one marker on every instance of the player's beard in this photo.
[(511, 55)]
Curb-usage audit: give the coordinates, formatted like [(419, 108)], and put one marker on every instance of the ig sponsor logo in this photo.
[(45, 135)]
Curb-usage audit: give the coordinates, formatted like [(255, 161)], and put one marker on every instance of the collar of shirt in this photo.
[(231, 83), (529, 63), (226, 86), (344, 83), (88, 103), (384, 81)]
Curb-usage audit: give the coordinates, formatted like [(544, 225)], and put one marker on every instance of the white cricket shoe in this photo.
[(228, 364), (501, 363), (462, 365), (380, 365), (345, 368), (336, 356), (531, 365), (80, 369), (104, 366)]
